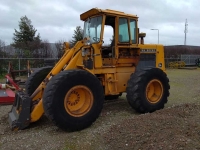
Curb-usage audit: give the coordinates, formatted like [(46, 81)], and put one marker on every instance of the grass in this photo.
[(185, 85)]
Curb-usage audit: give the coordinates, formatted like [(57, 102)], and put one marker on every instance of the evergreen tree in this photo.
[(77, 36), (26, 40)]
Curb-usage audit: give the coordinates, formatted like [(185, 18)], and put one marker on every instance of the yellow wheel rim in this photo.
[(154, 91), (78, 101)]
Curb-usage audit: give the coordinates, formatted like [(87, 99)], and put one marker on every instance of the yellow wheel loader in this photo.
[(72, 93)]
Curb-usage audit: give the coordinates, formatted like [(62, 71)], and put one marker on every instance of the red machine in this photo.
[(7, 95)]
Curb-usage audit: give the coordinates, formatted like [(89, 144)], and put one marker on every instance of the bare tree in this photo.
[(10, 52), (177, 50), (2, 43), (59, 48), (2, 48), (46, 50)]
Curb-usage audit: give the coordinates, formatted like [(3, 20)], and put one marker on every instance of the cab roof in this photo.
[(97, 11)]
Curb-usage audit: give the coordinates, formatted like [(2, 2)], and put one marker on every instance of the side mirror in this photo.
[(141, 36)]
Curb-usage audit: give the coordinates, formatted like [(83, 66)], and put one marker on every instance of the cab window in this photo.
[(123, 30), (133, 30)]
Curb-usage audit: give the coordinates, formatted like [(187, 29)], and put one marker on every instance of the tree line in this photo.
[(28, 44), (177, 50)]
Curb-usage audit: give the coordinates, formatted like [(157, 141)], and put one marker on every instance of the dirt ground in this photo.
[(177, 126)]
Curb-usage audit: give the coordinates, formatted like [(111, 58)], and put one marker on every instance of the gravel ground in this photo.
[(177, 126)]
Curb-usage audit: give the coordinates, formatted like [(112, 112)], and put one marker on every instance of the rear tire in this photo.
[(148, 90), (36, 78), (73, 99)]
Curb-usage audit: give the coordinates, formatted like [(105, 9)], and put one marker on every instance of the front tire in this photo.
[(73, 99), (148, 90), (36, 78)]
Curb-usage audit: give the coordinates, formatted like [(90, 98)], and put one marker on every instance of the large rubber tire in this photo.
[(148, 90), (36, 78), (58, 106)]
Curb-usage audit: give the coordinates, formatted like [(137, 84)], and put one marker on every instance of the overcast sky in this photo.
[(56, 19)]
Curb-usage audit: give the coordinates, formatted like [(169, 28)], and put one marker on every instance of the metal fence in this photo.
[(189, 59), (22, 63), (168, 60)]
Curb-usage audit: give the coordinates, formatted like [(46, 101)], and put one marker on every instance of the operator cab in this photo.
[(122, 36)]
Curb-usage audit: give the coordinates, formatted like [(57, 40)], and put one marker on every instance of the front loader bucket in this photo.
[(19, 116)]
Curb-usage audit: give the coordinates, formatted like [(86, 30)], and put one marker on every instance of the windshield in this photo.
[(92, 29)]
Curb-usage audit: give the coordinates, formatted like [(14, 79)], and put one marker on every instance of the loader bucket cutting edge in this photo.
[(19, 116)]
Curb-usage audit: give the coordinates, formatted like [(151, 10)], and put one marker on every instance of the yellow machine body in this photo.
[(114, 68), (113, 72)]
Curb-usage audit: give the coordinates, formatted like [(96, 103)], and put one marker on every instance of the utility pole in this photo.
[(186, 31)]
